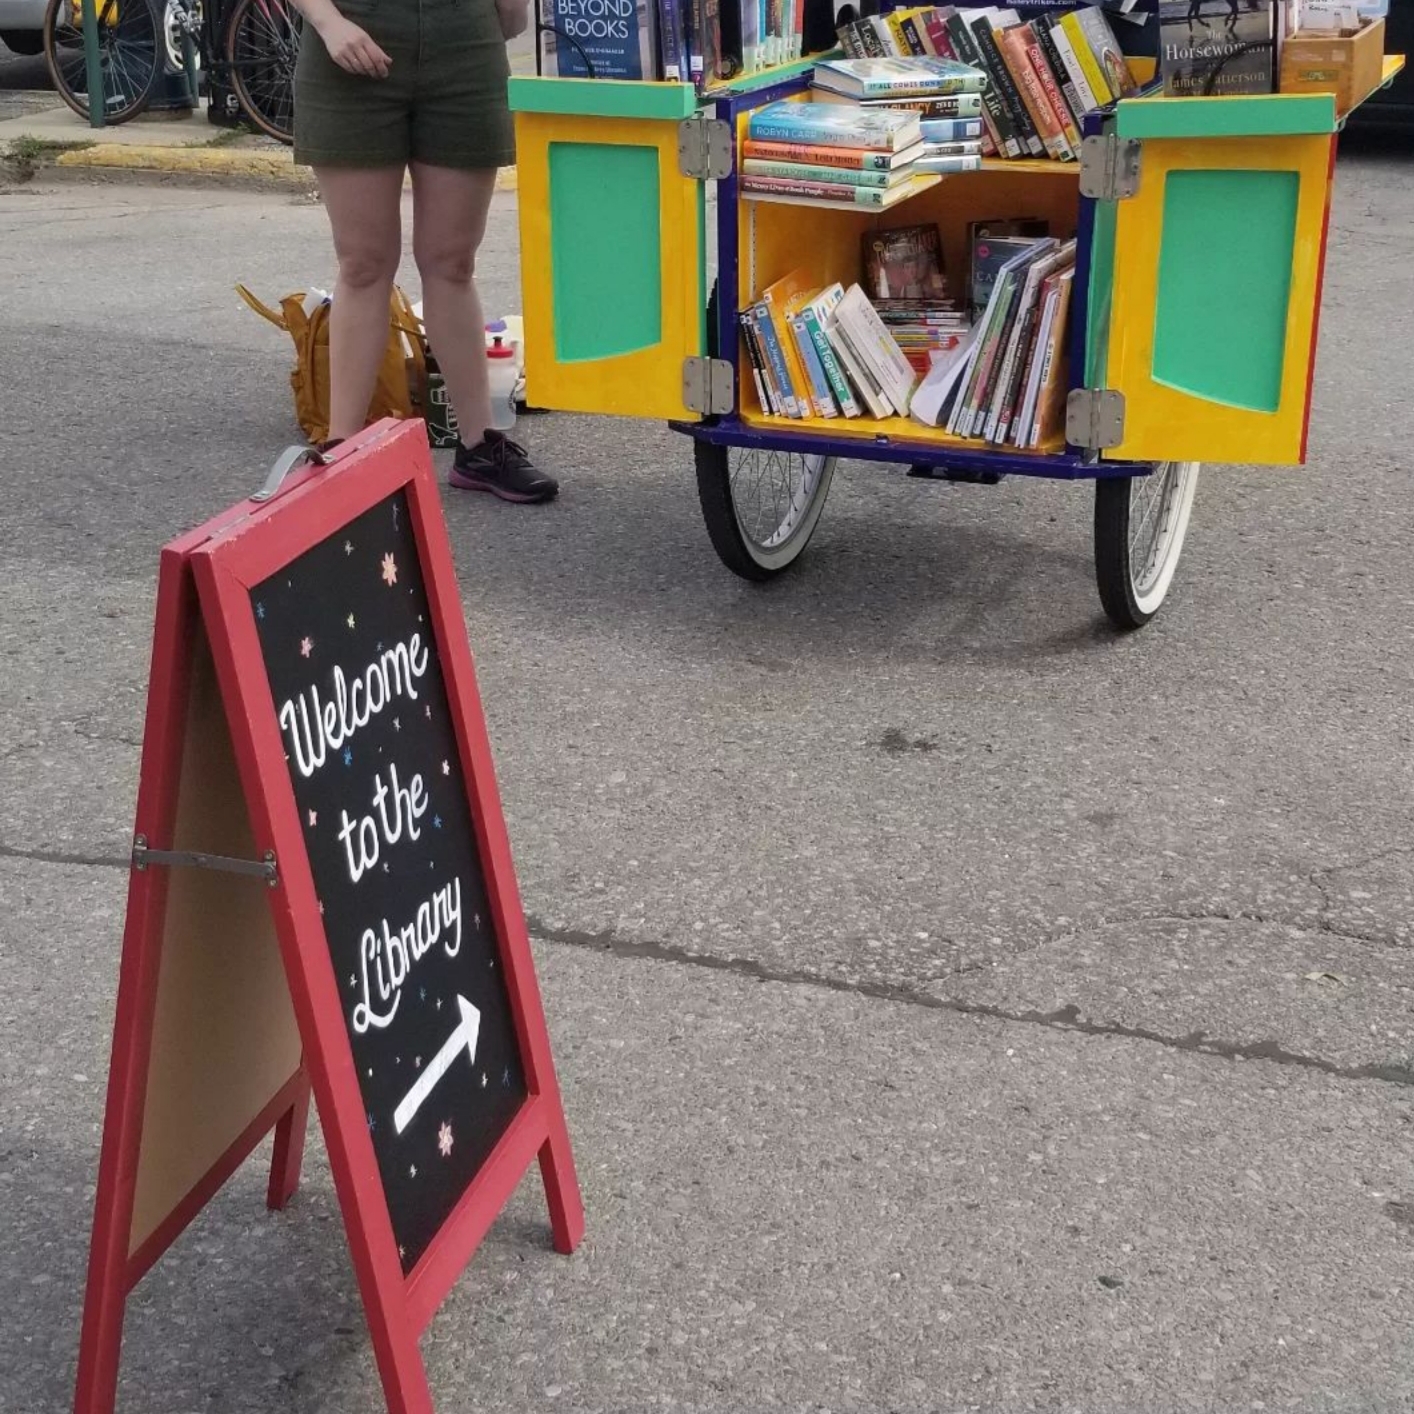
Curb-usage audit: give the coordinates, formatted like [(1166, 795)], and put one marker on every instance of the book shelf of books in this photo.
[(962, 238)]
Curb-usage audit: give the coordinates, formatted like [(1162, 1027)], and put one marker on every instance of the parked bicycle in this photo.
[(253, 45)]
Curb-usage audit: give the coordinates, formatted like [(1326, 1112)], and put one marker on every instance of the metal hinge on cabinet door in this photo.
[(704, 149), (1109, 167), (1094, 418), (708, 386)]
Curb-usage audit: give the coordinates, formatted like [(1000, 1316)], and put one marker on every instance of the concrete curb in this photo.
[(267, 168)]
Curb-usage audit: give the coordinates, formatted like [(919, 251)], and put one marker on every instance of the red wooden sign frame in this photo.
[(204, 587)]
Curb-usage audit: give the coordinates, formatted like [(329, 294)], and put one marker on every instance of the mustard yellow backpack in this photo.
[(401, 390)]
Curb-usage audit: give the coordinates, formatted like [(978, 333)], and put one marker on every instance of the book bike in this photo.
[(1201, 242)]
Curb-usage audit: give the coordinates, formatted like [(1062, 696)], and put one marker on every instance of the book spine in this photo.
[(671, 39), (883, 37), (1049, 399), (1010, 422), (826, 176), (821, 394), (961, 419), (1052, 96), (968, 147), (1085, 57), (874, 396), (909, 25), (894, 23), (834, 374), (753, 358), (1026, 130), (937, 165), (806, 135), (1011, 351), (959, 105), (952, 130), (1021, 427), (992, 355), (811, 156), (936, 30), (1085, 99), (848, 36), (998, 124), (692, 34), (1016, 47), (1056, 81), (780, 375)]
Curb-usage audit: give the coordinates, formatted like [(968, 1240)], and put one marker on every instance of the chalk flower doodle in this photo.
[(444, 1141), (390, 571)]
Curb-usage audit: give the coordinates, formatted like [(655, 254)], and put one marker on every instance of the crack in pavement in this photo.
[(1065, 1019)]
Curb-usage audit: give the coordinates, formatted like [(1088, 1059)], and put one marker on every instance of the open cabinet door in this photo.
[(612, 238), (1206, 280)]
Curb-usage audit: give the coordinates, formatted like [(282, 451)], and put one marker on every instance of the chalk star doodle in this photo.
[(444, 1141), (260, 611), (446, 768), (428, 711), (506, 1077), (348, 547), (436, 822), (483, 1079), (422, 994), (306, 647), (313, 818), (350, 620), (397, 724), (353, 979), (402, 1252), (321, 908), (348, 756), (412, 1170), (417, 1062), (395, 515), (439, 1003), (390, 571), (372, 1124), (385, 866)]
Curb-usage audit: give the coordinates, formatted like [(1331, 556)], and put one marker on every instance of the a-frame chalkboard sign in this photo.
[(323, 898)]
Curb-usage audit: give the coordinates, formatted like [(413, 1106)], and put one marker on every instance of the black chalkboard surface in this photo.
[(347, 641)]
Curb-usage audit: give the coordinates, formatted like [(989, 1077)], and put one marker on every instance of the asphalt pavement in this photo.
[(958, 1007)]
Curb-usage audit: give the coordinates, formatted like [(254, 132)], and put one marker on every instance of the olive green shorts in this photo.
[(443, 102)]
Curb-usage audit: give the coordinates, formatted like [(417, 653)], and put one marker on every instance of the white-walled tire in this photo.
[(1140, 526)]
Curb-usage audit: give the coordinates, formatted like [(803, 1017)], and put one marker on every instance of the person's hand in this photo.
[(351, 48), (514, 16)]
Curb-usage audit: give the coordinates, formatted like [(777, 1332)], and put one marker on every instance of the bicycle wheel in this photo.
[(761, 506), (262, 47), (1140, 526), (130, 49)]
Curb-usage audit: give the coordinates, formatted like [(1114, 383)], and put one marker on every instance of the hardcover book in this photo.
[(919, 77), (905, 263), (1227, 49), (831, 125), (619, 38)]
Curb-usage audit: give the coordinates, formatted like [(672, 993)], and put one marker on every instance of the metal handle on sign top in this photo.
[(289, 459)]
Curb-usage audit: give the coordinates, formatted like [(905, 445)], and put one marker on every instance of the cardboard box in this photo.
[(1349, 66)]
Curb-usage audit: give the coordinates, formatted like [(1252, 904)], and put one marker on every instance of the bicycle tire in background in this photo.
[(130, 50), (262, 48)]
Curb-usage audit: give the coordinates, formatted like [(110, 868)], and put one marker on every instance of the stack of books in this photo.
[(818, 154), (1043, 74), (953, 142), (904, 278), (823, 353), (1005, 383)]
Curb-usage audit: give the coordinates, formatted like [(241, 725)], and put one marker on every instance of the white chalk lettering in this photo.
[(387, 958)]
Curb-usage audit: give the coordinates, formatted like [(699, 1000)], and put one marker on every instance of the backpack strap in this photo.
[(262, 309)]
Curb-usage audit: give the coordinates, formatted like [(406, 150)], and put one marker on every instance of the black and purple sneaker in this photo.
[(502, 467)]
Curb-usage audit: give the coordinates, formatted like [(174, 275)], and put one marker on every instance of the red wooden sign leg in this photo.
[(561, 1185), (289, 1151)]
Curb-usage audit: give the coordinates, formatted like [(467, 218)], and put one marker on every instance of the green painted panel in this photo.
[(1224, 285), (602, 98), (1101, 295), (606, 266), (1246, 115)]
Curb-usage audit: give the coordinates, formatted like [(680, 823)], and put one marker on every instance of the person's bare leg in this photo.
[(365, 214), (449, 210)]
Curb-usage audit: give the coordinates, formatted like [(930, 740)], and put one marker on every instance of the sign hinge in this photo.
[(263, 868), (1094, 418), (708, 386), (704, 148), (1109, 167)]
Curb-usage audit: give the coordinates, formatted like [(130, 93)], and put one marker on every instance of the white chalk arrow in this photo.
[(462, 1039)]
